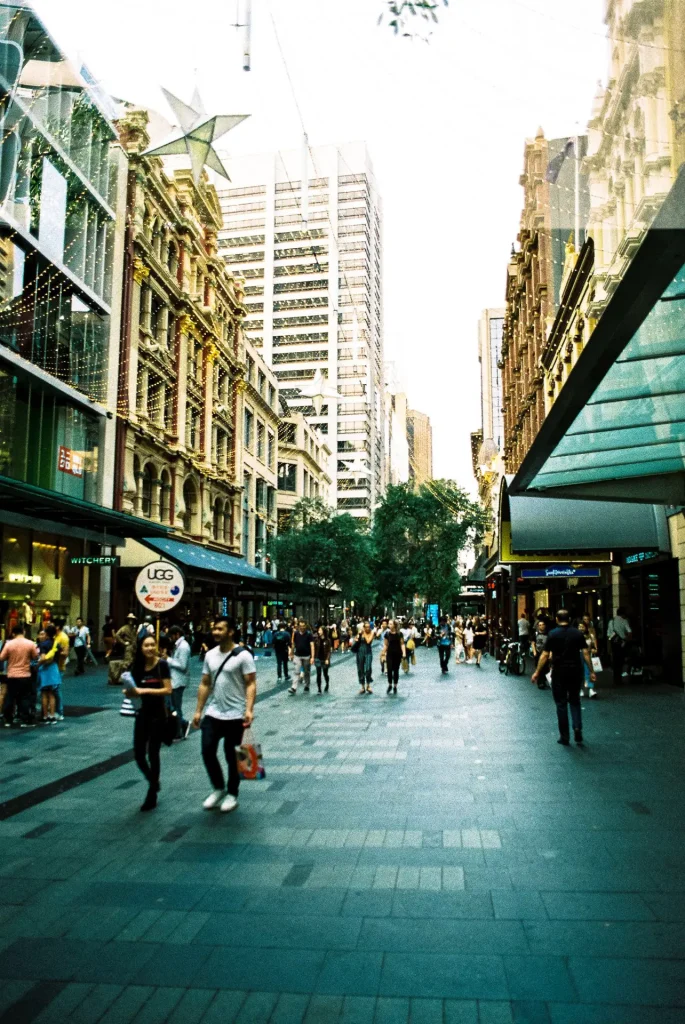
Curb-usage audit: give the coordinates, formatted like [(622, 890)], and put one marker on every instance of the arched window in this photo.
[(218, 520), (146, 491), (165, 497), (228, 523), (192, 512), (172, 259)]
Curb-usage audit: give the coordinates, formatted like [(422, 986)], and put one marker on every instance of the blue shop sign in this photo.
[(550, 572), (640, 556)]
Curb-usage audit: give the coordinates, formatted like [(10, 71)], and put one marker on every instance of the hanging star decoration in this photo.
[(356, 466), (318, 390), (196, 135)]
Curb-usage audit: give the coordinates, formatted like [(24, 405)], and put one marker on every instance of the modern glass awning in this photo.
[(617, 429)]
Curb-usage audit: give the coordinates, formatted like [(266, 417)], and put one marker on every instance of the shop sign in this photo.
[(550, 572), (23, 577), (69, 461), (432, 613), (95, 560), (640, 556), (159, 586)]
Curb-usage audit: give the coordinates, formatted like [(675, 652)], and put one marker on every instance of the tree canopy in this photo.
[(413, 547), (419, 536)]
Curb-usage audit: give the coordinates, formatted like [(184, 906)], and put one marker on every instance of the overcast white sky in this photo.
[(445, 123)]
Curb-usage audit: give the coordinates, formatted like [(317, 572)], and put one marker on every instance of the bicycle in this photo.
[(511, 658)]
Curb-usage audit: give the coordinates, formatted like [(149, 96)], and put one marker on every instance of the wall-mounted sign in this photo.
[(640, 556), (69, 461), (432, 613), (160, 586), (95, 560), (550, 572), (23, 577)]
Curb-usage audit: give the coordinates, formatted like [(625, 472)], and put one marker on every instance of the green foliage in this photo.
[(400, 12), (414, 546), (320, 547), (418, 537)]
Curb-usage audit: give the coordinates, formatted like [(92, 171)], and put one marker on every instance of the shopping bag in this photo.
[(596, 664), (249, 757), (405, 664)]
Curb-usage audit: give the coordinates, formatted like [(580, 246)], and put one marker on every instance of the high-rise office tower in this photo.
[(420, 442), (304, 229)]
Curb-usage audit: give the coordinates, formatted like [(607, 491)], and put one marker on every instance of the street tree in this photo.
[(419, 536), (320, 547)]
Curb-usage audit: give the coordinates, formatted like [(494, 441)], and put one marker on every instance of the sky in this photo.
[(445, 121)]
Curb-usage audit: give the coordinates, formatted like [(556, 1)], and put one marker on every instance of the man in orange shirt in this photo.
[(18, 653)]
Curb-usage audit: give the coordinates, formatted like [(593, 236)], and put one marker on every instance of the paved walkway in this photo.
[(431, 857)]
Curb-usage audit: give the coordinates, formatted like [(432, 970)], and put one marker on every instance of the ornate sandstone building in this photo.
[(181, 377)]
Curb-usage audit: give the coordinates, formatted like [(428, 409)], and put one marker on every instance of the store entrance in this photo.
[(654, 606)]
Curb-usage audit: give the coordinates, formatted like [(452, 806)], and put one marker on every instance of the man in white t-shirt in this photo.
[(524, 633), (226, 694), (81, 645)]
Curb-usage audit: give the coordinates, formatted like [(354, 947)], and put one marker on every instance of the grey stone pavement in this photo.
[(430, 857)]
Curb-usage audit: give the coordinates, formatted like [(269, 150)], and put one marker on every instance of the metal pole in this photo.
[(248, 35), (157, 632)]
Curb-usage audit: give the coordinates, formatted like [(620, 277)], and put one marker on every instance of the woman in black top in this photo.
[(393, 651), (152, 686), (480, 637)]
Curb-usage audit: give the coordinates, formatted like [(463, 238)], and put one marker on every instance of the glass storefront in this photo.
[(45, 441), (37, 579)]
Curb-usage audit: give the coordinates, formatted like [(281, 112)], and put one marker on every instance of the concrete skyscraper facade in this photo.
[(306, 234)]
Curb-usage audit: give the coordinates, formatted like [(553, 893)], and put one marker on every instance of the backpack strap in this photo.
[(238, 649)]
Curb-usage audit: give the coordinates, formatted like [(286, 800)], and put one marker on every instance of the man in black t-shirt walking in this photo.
[(281, 644), (566, 646)]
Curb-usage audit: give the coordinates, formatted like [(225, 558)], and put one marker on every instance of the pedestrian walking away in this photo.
[(362, 645), (179, 667), (226, 695), (322, 656), (565, 645), (147, 685), (302, 655), (282, 649), (394, 650), (523, 626), (444, 644), (480, 637), (619, 635), (19, 652)]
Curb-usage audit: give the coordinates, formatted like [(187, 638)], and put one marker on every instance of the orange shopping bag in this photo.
[(249, 757)]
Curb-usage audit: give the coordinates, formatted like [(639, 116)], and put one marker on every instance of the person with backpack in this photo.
[(619, 635), (225, 706)]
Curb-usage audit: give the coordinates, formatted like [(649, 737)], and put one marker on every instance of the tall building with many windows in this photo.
[(306, 235)]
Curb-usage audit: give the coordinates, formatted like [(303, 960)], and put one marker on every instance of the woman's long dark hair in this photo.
[(137, 669)]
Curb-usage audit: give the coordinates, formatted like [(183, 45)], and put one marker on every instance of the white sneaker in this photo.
[(213, 799), (229, 803)]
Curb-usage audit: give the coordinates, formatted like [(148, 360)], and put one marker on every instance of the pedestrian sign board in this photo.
[(159, 586)]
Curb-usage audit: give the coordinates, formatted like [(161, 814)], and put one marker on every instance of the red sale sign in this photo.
[(69, 461)]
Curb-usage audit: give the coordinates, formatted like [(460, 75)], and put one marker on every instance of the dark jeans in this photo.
[(444, 654), (231, 732), (393, 667), (618, 657), (566, 692), (177, 706), (364, 664), (18, 696), (147, 742), (321, 667), (282, 662), (80, 659)]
